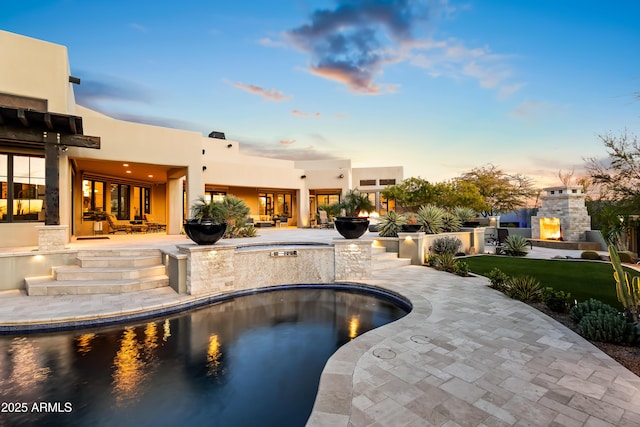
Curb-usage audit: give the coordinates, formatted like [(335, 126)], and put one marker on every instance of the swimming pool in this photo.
[(251, 360)]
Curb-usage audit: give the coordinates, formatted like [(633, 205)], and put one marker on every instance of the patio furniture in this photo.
[(116, 225), (503, 233), (139, 227), (324, 220), (153, 224)]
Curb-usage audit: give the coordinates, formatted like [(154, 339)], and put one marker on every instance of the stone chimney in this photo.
[(562, 216)]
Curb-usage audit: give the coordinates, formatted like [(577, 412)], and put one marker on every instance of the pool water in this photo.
[(253, 360)]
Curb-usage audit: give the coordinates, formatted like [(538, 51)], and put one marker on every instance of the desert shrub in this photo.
[(605, 326), (628, 257), (450, 222), (580, 310), (464, 213), (446, 244), (240, 230), (432, 260), (515, 245), (430, 219), (592, 255), (523, 288), (557, 301), (390, 224), (461, 268), (444, 262), (498, 278), (236, 208)]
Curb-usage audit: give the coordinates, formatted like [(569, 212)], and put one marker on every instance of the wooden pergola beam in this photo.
[(22, 117)]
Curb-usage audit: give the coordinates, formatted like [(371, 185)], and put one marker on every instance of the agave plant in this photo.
[(450, 222), (390, 224), (464, 213), (515, 245), (430, 219), (524, 288)]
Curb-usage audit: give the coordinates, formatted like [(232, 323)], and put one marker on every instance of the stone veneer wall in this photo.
[(209, 268), (52, 237), (568, 204), (257, 268), (352, 259), (219, 268)]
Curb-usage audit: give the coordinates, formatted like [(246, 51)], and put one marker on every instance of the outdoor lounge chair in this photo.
[(503, 233), (116, 225), (324, 219), (152, 224)]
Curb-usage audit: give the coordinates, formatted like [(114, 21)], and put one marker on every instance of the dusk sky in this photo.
[(439, 87)]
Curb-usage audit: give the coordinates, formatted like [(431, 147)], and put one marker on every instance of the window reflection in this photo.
[(213, 356), (128, 367), (26, 373), (354, 325), (22, 188), (84, 343)]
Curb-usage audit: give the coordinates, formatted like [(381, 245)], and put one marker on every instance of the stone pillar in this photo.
[(174, 205), (209, 268), (52, 237), (352, 259), (411, 246), (477, 240), (303, 207)]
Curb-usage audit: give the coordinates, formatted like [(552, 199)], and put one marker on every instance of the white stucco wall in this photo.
[(36, 69)]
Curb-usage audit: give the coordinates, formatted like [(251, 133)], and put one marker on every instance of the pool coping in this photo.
[(107, 319)]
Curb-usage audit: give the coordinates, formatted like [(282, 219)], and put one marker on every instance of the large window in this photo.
[(120, 201), (387, 205), (141, 202), (216, 196), (327, 199), (275, 204), (93, 198), (22, 188)]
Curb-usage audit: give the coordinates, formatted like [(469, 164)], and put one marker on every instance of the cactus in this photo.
[(588, 306), (607, 327), (627, 288)]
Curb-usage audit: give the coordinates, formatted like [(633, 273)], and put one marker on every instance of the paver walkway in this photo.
[(465, 356)]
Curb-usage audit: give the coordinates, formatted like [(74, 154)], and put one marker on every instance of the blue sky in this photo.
[(439, 87)]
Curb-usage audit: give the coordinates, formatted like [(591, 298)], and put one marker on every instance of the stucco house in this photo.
[(62, 165)]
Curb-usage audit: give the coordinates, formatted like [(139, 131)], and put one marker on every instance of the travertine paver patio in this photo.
[(466, 355)]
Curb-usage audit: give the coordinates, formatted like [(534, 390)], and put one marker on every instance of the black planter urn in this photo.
[(411, 228), (205, 232), (351, 227)]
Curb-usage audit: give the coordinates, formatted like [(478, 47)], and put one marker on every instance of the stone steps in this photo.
[(111, 271), (45, 285), (382, 260)]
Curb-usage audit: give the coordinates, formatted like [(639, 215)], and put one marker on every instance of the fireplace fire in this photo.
[(550, 229), (563, 205)]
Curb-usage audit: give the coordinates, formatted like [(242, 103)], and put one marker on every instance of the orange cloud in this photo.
[(303, 114), (268, 94)]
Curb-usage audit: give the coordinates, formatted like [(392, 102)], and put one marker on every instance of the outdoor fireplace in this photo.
[(562, 216), (550, 229)]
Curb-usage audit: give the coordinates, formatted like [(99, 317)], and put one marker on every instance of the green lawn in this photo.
[(584, 279)]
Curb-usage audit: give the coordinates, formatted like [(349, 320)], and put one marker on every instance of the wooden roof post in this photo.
[(52, 178)]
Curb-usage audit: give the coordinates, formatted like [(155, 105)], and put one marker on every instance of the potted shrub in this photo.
[(411, 223), (208, 221), (351, 225)]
